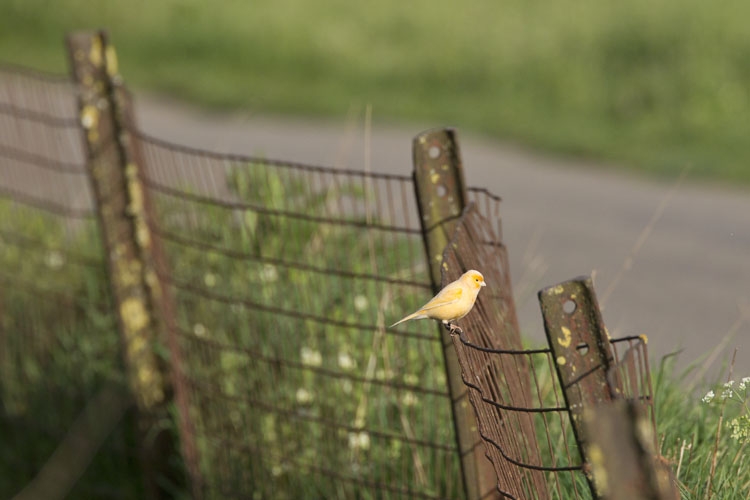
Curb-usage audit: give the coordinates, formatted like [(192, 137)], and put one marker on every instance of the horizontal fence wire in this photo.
[(522, 413), (284, 278), (59, 348), (42, 161)]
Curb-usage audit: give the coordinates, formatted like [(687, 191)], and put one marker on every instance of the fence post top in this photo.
[(578, 282), (426, 134)]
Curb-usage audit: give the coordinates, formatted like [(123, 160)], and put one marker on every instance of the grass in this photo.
[(653, 85), (58, 349), (696, 436)]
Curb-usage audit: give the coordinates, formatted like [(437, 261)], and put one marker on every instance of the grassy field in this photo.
[(654, 85)]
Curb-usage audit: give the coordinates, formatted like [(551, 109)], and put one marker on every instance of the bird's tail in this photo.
[(416, 315)]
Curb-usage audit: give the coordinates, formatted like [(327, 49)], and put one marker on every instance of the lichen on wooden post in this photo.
[(580, 347), (112, 163), (115, 207), (441, 198)]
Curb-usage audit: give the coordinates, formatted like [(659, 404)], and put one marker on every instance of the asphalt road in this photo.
[(671, 260)]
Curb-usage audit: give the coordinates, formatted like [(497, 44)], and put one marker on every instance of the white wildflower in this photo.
[(359, 440), (360, 303), (708, 397), (744, 383), (199, 330), (740, 427), (346, 362), (54, 259), (304, 396), (269, 274), (409, 399), (364, 440), (311, 357), (210, 280)]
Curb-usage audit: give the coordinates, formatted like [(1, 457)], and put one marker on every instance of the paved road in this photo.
[(687, 285)]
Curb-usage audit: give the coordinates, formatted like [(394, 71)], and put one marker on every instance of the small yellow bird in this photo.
[(452, 302)]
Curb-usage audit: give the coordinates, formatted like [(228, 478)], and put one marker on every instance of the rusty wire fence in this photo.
[(58, 344), (527, 411), (283, 278), (273, 269), (272, 284)]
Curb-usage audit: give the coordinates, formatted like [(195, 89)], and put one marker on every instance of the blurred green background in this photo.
[(650, 84)]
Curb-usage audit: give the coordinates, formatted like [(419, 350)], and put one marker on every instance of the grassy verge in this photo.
[(58, 350), (706, 438), (653, 85)]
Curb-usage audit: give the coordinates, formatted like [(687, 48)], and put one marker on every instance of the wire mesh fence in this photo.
[(522, 410), (283, 277), (272, 283)]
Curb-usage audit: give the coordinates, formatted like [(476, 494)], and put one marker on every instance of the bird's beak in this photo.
[(484, 283)]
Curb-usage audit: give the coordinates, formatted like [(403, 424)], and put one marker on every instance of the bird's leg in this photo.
[(452, 328)]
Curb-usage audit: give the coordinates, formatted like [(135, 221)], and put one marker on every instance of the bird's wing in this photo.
[(448, 295)]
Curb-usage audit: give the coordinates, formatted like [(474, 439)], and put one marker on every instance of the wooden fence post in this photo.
[(621, 454), (113, 171), (441, 197), (580, 347)]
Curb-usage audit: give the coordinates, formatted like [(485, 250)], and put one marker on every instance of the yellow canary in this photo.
[(452, 302)]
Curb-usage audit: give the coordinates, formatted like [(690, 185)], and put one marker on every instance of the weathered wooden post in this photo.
[(441, 197), (140, 300), (580, 347), (621, 454)]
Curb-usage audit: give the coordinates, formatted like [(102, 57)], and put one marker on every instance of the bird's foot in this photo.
[(453, 328)]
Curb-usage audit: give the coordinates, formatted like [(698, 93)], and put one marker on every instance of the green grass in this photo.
[(694, 433), (655, 85), (58, 349)]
